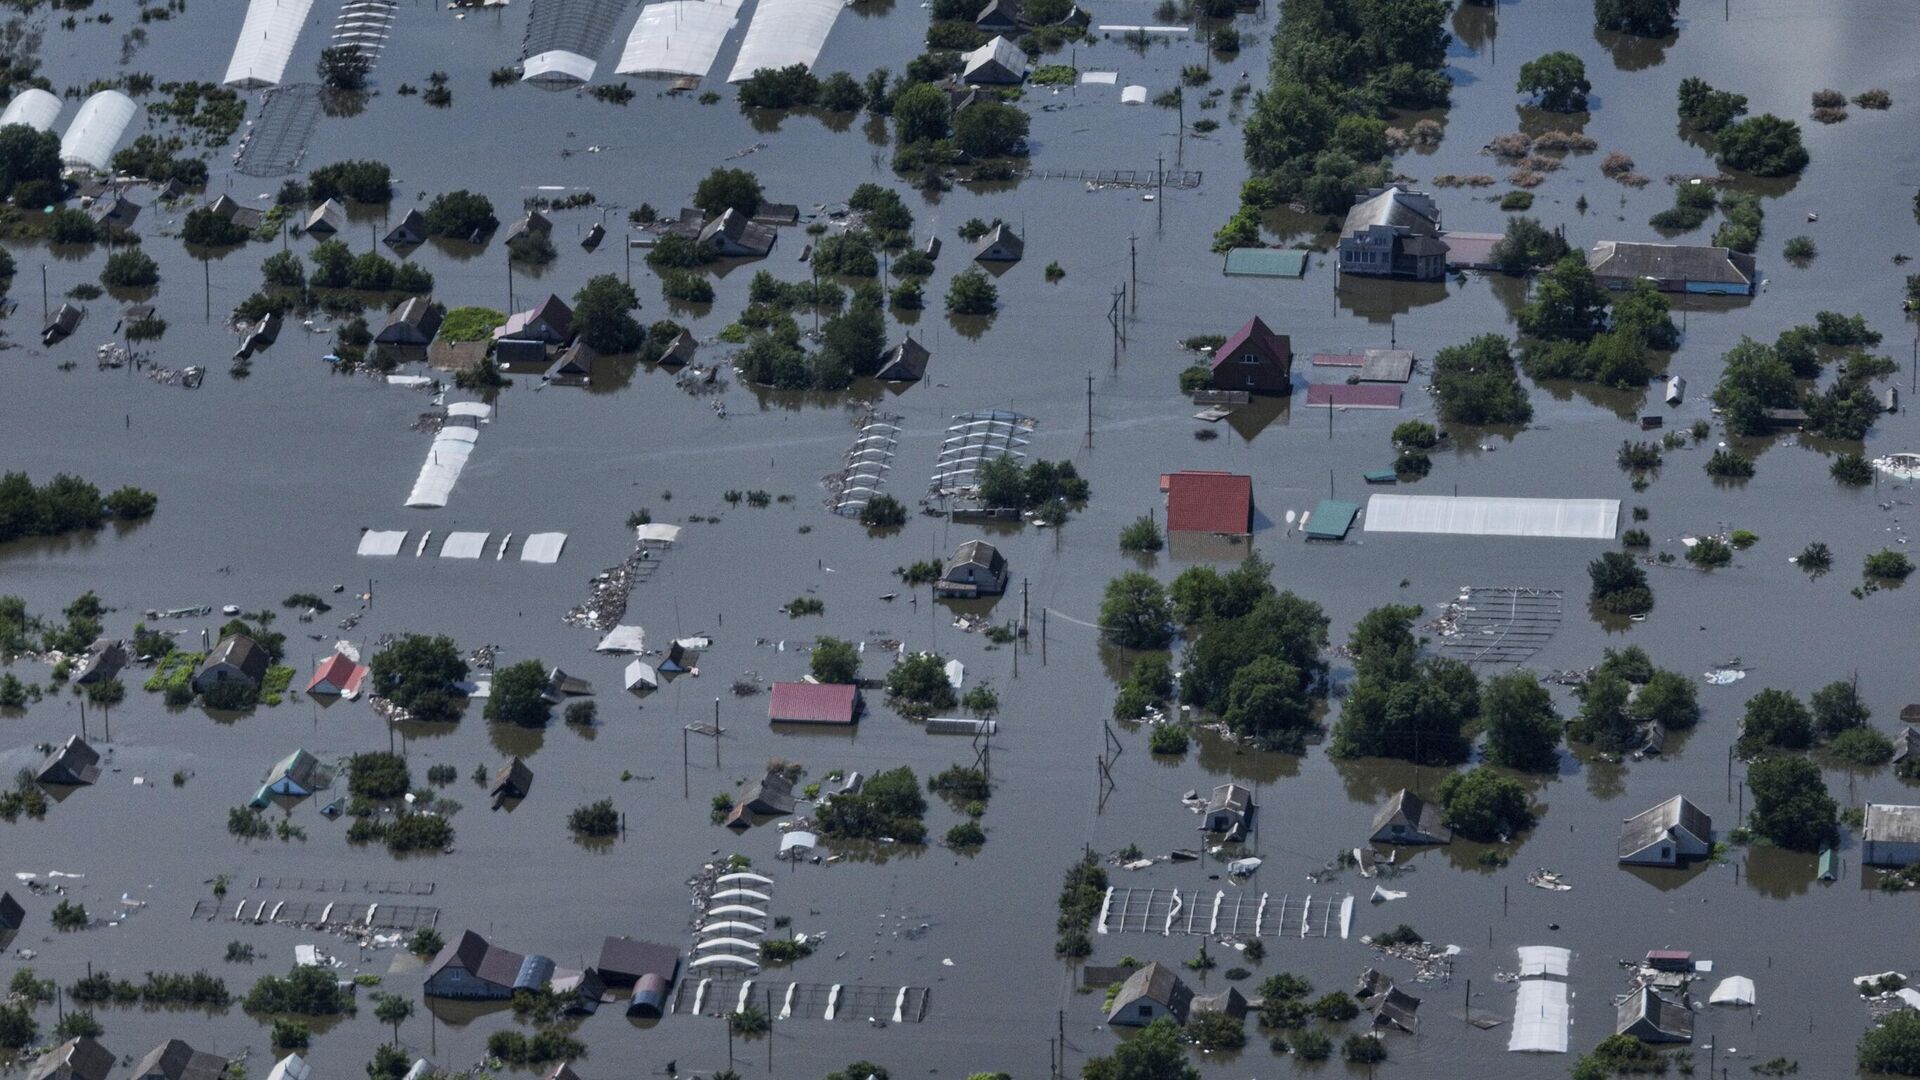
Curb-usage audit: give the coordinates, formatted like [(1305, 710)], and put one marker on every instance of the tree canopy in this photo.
[(1523, 730), (603, 315), (1475, 383), (1482, 804), (1558, 81), (1764, 145), (1791, 806), (418, 673), (728, 189), (519, 695)]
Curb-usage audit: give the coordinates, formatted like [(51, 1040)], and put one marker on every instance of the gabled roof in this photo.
[(681, 349), (1417, 813), (1888, 823), (904, 362), (1397, 208), (1230, 797), (736, 229), (1277, 348), (514, 778), (11, 913), (74, 763), (1646, 828), (1648, 1016), (241, 651), (1626, 259), (1908, 744), (299, 767), (413, 225), (1209, 502), (975, 553), (337, 673), (1156, 983), (76, 1059), (175, 1060), (328, 218), (486, 961), (813, 703), (997, 59), (1000, 243)]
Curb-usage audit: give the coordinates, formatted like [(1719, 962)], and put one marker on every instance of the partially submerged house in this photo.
[(680, 350), (1229, 811), (74, 764), (837, 704), (237, 658), (526, 235), (1001, 244), (905, 362), (999, 16), (976, 569), (297, 776), (1681, 268), (1651, 1018), (1255, 360), (1406, 818), (997, 63), (105, 658), (114, 213), (624, 961), (229, 209), (1393, 232), (1395, 1008), (64, 320), (574, 365), (413, 324), (175, 1060), (549, 322), (410, 233), (472, 968), (1208, 502), (327, 219), (76, 1059), (1907, 745), (562, 1071), (337, 676), (1229, 1001), (291, 1067), (1149, 994), (769, 796), (1890, 835), (733, 235), (513, 781), (1666, 835)]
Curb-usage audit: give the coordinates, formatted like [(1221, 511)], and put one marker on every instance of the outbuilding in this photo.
[(513, 781), (1890, 835), (905, 362), (997, 63), (175, 1060), (337, 676), (81, 1058), (1229, 811), (413, 324), (1208, 502), (410, 233), (1001, 244), (75, 764), (328, 218), (295, 776), (1651, 1018)]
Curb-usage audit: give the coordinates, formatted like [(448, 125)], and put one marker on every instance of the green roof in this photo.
[(1331, 520), (1380, 476), (1267, 262)]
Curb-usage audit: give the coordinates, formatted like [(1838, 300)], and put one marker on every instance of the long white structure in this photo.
[(1544, 960), (448, 455), (266, 41), (33, 107), (557, 67), (1541, 1018), (96, 130), (679, 37), (1464, 515), (382, 542), (784, 33), (543, 547)]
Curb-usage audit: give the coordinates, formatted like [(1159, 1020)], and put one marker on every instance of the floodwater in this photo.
[(266, 482)]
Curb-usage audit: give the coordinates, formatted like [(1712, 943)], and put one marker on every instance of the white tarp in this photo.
[(798, 839), (1099, 78), (33, 107), (641, 676), (1133, 95), (543, 547), (463, 545), (1466, 515), (96, 130), (478, 409), (557, 66), (1908, 997), (382, 542), (1540, 1018), (1543, 960), (657, 533), (956, 673), (266, 41), (680, 37), (445, 460), (784, 33), (1733, 990), (623, 639)]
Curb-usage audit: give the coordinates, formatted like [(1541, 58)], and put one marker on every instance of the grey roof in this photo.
[(562, 1071), (328, 218), (1415, 812), (771, 794), (411, 230), (534, 974), (904, 362), (1650, 1017), (532, 222), (1908, 744), (1230, 797), (975, 553), (1229, 1001), (242, 652), (1397, 1008), (74, 763), (998, 60), (483, 959), (1646, 828), (734, 229), (11, 913), (76, 1059), (575, 362), (625, 960), (175, 1060), (1156, 983), (1888, 823), (680, 350), (105, 658), (1397, 208), (1000, 243), (299, 767), (414, 322), (1624, 259), (513, 780), (114, 211)]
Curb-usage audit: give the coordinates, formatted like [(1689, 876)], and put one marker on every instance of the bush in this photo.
[(686, 287), (1710, 552), (1481, 804), (1168, 739), (967, 834), (130, 503), (883, 512), (918, 686), (1141, 535), (1801, 249), (1892, 1046), (360, 181), (1312, 1045), (594, 819), (1861, 746), (304, 991), (132, 269), (1517, 200), (204, 228), (972, 293), (1888, 565), (1851, 469), (1364, 1048), (1728, 465), (1415, 435), (1763, 145), (459, 215)]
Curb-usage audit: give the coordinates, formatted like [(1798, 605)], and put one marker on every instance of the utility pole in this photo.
[(1089, 410), (1133, 265), (1159, 188), (46, 312)]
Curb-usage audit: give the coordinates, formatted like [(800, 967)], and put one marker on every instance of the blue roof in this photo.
[(535, 973)]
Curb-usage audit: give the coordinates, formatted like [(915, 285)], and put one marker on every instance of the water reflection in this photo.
[(1633, 53), (1381, 300), (1221, 756), (1778, 873)]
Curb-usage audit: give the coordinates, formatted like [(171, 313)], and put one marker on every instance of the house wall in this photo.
[(1715, 288), (455, 982), (1663, 853), (1139, 1014), (1889, 853), (1254, 371)]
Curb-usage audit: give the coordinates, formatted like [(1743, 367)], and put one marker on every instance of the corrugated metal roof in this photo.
[(1209, 502), (1331, 520), (1468, 515), (813, 703)]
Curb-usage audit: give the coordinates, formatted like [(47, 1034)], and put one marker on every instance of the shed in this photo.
[(999, 16), (12, 915), (1406, 818), (1669, 960), (513, 781), (1651, 1018), (771, 795), (328, 218), (175, 1060), (998, 63), (237, 657), (1676, 390), (1229, 1001), (520, 354), (1229, 811), (650, 997), (624, 961), (413, 323), (72, 765), (1149, 994), (1890, 835), (735, 235), (1253, 359), (1001, 244), (337, 676), (526, 233), (1208, 502), (905, 362), (1386, 366), (594, 235), (1331, 520), (105, 658), (114, 213), (1467, 515), (574, 364), (410, 233), (1396, 1008), (640, 677), (76, 1059), (814, 703), (1666, 835), (1733, 990), (229, 209), (680, 351), (976, 569), (65, 319)]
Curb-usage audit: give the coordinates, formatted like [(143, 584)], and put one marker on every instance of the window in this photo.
[(1249, 358), (1146, 1012), (1250, 378), (1666, 852)]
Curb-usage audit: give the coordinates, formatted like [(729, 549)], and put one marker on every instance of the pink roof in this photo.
[(1209, 502), (337, 673), (1345, 396), (1274, 346), (813, 703), (1324, 359)]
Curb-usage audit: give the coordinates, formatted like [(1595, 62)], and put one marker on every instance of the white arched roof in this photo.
[(557, 66), (680, 37), (33, 107), (784, 33), (96, 130), (266, 41)]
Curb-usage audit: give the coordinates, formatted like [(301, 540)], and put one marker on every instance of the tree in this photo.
[(1775, 719), (728, 189), (1558, 80), (1838, 707), (17, 1026), (1523, 731), (989, 129), (1134, 612), (1527, 244), (1642, 311), (392, 1009), (389, 1062), (344, 68), (130, 503), (594, 819), (1791, 806), (1763, 145), (1266, 701), (418, 673), (1619, 584), (1142, 535), (460, 214), (1475, 383), (130, 269), (1891, 1047), (1707, 109), (918, 685), (1481, 804), (1669, 699), (332, 265), (851, 342), (972, 292), (519, 695), (1154, 1054), (26, 156), (835, 661), (361, 181), (1753, 379), (1000, 483), (1568, 304), (920, 114), (378, 776), (1645, 18), (602, 314), (283, 270)]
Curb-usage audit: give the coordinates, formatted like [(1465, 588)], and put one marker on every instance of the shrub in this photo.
[(1728, 465), (1801, 248), (132, 269), (1312, 1045), (594, 819), (1888, 565), (1168, 739), (1709, 552), (1851, 469), (883, 512), (1517, 200), (967, 834), (1142, 535)]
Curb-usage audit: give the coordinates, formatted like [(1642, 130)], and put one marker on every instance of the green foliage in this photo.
[(1888, 565), (69, 916), (921, 114), (1862, 747), (1168, 739), (1335, 1007), (418, 673), (360, 181), (28, 157), (344, 67), (1800, 249), (674, 251), (847, 254), (917, 685), (1364, 1048), (1517, 200), (791, 87), (1619, 584), (470, 324), (204, 228), (1134, 612), (889, 804), (1764, 145), (1523, 730), (731, 189), (17, 1027), (961, 784), (966, 834), (544, 1045), (459, 215), (1142, 535), (130, 269), (1415, 435), (1476, 384), (1892, 1046), (425, 942), (1706, 109), (1401, 705), (1558, 81), (834, 661), (1482, 804), (1723, 465), (304, 991), (1081, 893), (883, 512), (594, 819), (378, 776), (603, 315), (1791, 806), (989, 129), (519, 695), (1646, 18), (1567, 305)]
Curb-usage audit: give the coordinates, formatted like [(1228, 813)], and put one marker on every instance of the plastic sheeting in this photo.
[(784, 33), (266, 41), (1464, 515), (1543, 960), (1541, 1018), (657, 533), (96, 130), (382, 542), (463, 545), (543, 547), (1733, 990), (681, 37), (641, 676), (623, 639), (557, 66), (33, 107)]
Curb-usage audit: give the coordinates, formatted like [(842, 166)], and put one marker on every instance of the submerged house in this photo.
[(735, 235), (1208, 502), (513, 781), (1001, 244), (237, 657), (175, 1060), (229, 209), (837, 704), (73, 765), (1651, 1018), (64, 320), (769, 796), (12, 915), (1149, 994), (414, 323), (997, 63), (114, 213), (976, 569), (1406, 818), (76, 1059), (1890, 835), (1229, 811), (105, 658), (410, 233), (550, 322), (680, 350), (337, 676), (1681, 268), (527, 234), (905, 362), (1255, 360), (1393, 232), (472, 968), (297, 775), (328, 218), (1666, 835)]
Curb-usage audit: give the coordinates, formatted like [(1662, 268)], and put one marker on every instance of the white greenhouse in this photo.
[(557, 67), (266, 41), (784, 33), (96, 130), (680, 37), (33, 107)]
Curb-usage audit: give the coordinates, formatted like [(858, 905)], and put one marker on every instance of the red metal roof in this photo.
[(813, 703), (1350, 396), (338, 673), (1255, 335), (1209, 502)]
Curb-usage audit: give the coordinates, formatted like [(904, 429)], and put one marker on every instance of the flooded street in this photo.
[(265, 484)]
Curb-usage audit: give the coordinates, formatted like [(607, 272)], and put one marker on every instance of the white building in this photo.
[(1891, 835)]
